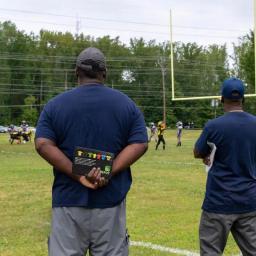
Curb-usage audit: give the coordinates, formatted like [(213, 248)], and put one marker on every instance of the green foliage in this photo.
[(29, 112), (244, 60), (245, 67), (43, 66)]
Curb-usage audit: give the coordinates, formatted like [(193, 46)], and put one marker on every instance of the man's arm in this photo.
[(201, 148), (205, 158), (197, 154), (129, 155), (48, 150)]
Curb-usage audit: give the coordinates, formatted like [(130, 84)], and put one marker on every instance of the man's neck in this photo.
[(230, 108), (88, 81)]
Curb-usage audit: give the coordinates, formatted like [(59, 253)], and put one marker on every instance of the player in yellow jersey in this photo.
[(160, 133)]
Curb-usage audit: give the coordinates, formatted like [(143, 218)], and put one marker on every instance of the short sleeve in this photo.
[(138, 131), (45, 128), (201, 145)]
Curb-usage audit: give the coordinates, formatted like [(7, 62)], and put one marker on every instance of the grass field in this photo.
[(163, 206)]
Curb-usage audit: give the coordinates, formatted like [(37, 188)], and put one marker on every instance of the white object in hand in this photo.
[(211, 156)]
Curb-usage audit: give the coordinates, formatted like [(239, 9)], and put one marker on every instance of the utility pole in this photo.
[(66, 80), (78, 25), (215, 104), (162, 63)]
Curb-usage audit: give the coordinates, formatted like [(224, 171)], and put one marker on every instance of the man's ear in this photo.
[(104, 74), (76, 72)]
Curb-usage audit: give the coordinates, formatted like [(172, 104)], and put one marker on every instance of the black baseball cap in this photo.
[(91, 59), (232, 88)]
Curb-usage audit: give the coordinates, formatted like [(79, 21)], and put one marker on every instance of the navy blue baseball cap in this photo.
[(232, 88)]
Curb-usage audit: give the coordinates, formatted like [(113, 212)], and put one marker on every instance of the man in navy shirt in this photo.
[(230, 198), (89, 212)]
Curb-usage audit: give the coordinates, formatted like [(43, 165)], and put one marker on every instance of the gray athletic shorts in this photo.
[(76, 230), (214, 230)]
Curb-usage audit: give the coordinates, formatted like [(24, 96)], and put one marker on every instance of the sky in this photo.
[(204, 22)]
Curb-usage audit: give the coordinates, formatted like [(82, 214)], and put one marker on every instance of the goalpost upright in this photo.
[(212, 96)]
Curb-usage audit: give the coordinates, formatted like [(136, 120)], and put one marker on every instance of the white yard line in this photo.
[(163, 248), (198, 163)]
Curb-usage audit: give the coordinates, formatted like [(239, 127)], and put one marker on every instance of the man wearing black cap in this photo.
[(230, 198), (89, 212)]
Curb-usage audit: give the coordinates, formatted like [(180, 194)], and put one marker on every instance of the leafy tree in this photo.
[(29, 112), (244, 67), (34, 68)]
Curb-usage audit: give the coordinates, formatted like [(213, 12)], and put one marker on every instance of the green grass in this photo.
[(163, 206)]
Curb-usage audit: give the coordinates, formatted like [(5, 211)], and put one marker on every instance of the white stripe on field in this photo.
[(163, 248), (167, 249), (171, 162)]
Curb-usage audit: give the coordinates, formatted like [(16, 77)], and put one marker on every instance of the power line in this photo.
[(21, 106), (117, 21), (141, 106), (139, 31)]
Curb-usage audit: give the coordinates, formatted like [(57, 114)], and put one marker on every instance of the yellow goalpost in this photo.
[(174, 97)]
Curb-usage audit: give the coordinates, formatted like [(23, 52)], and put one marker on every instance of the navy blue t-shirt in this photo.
[(92, 116), (231, 181)]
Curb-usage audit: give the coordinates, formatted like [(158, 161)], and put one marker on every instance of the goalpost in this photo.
[(177, 98)]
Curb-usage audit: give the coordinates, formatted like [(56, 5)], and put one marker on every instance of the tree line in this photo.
[(34, 68)]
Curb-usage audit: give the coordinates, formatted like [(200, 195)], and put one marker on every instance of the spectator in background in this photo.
[(153, 132), (179, 126)]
